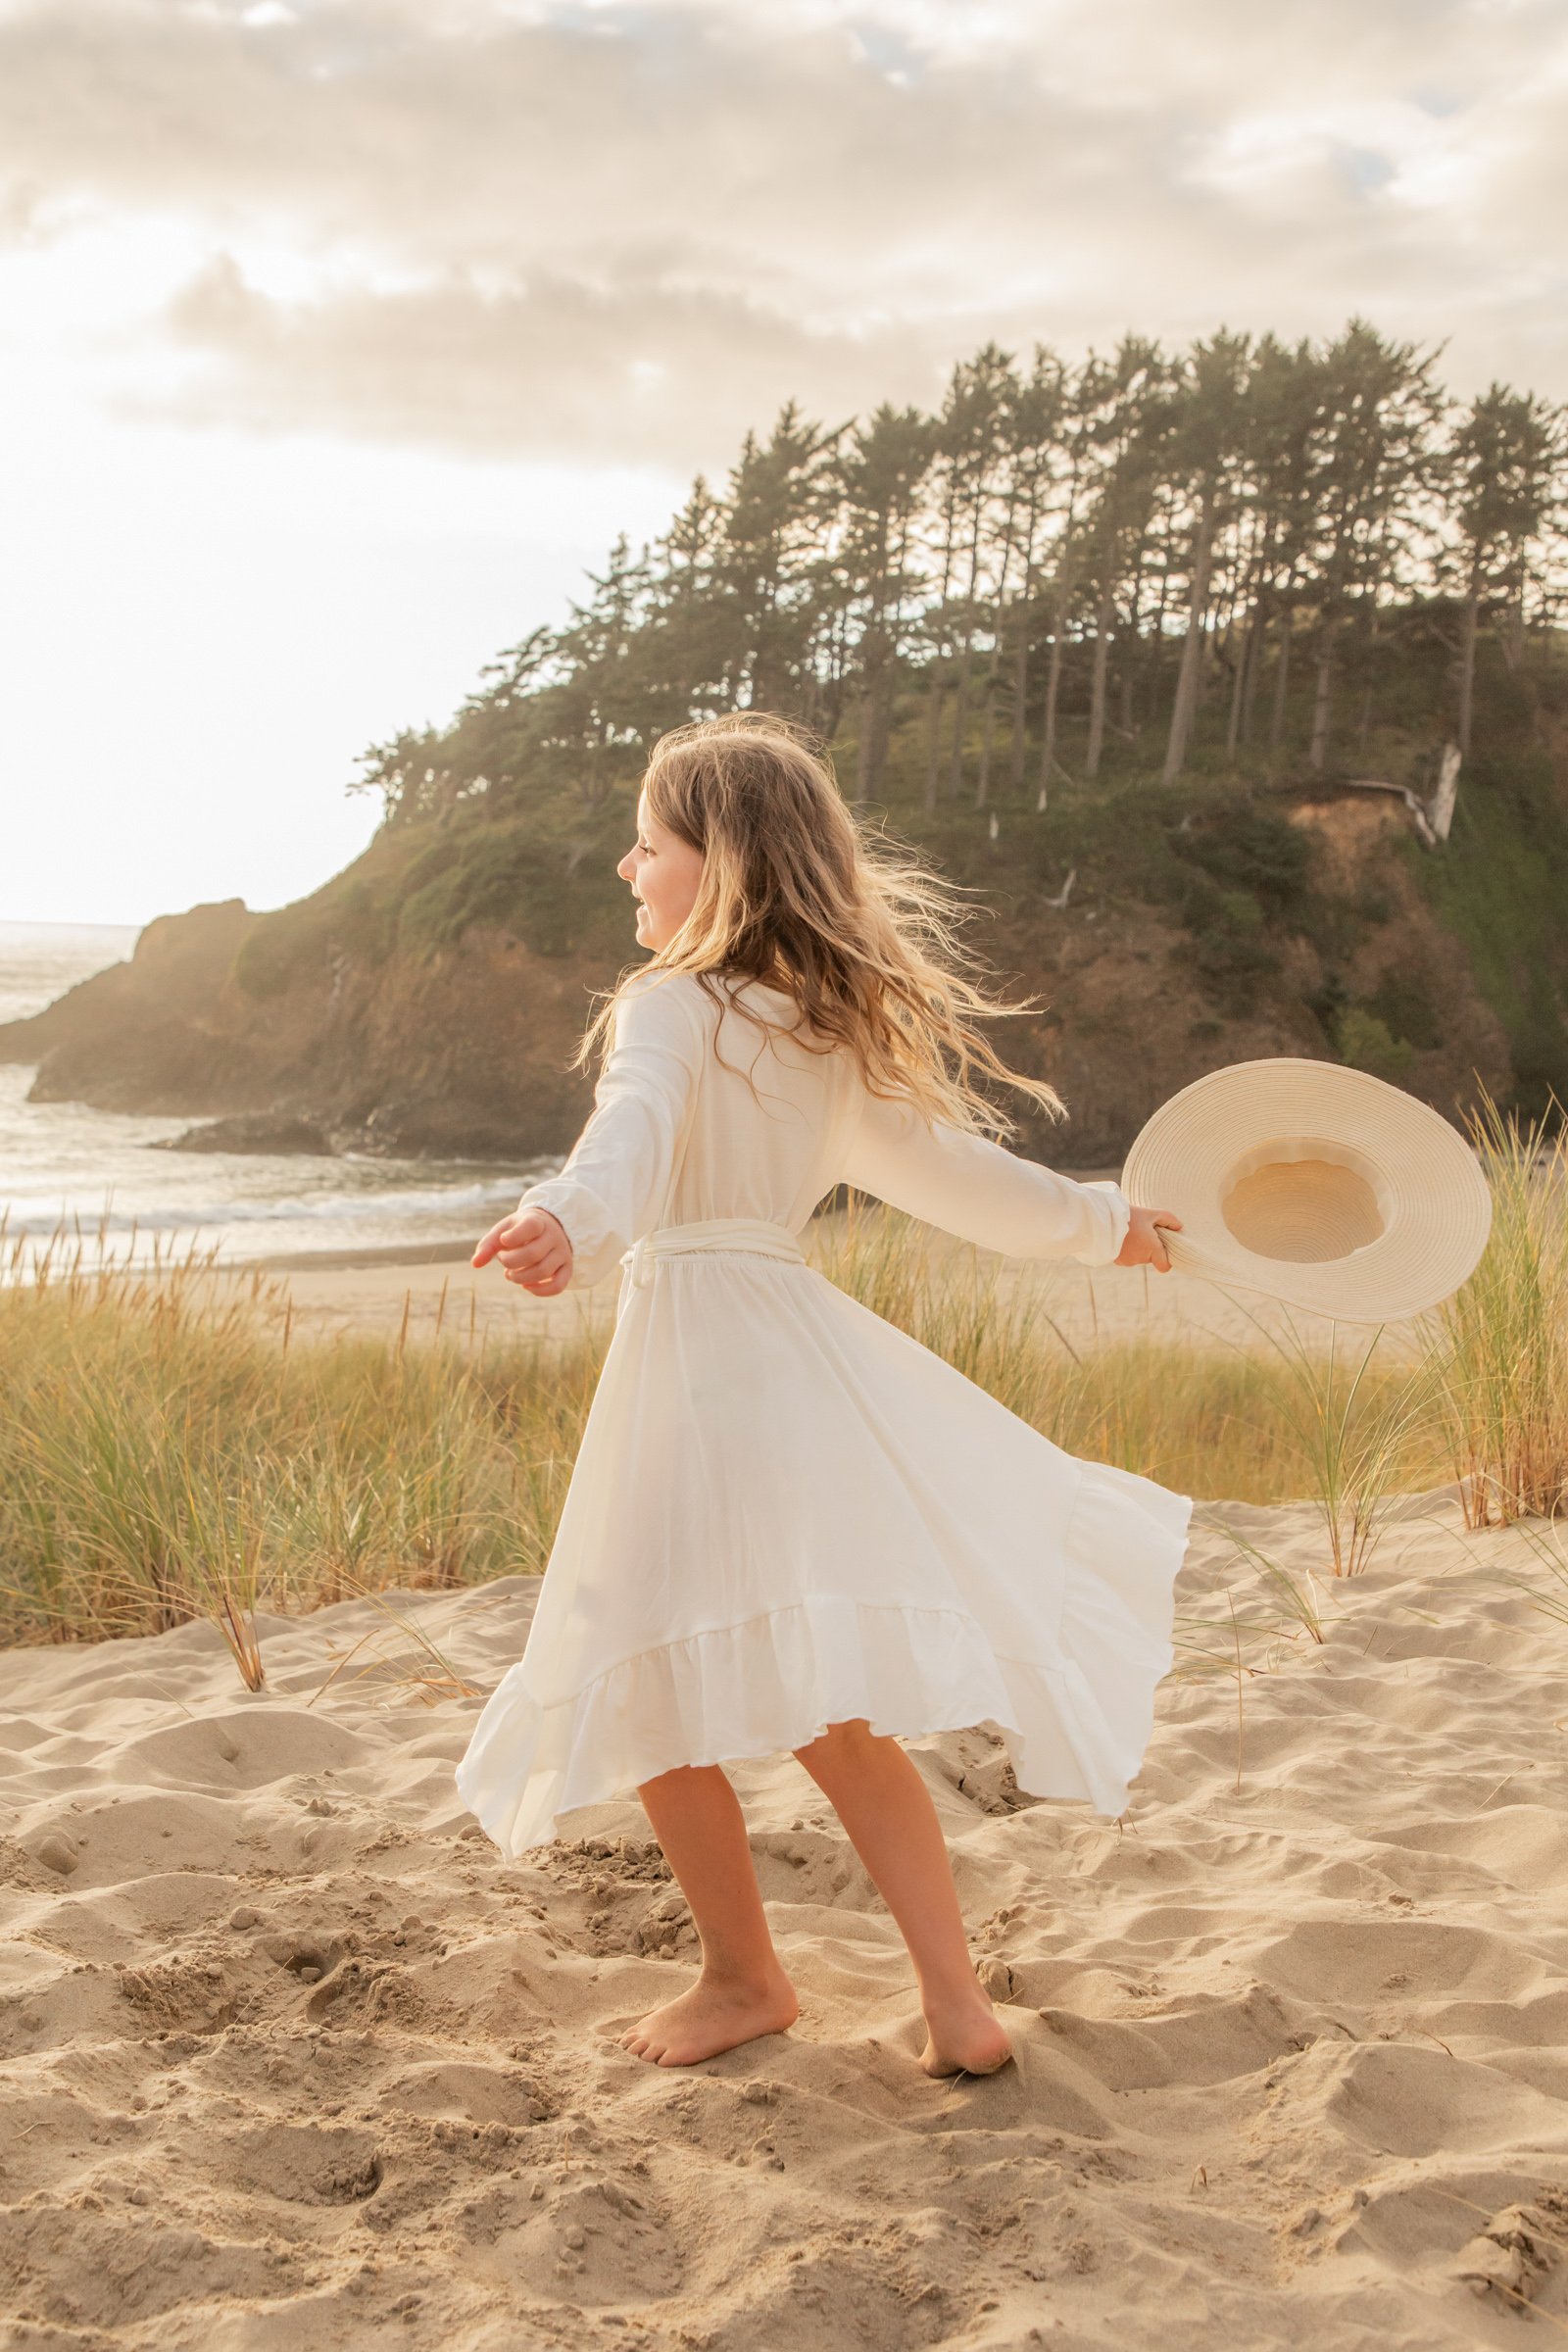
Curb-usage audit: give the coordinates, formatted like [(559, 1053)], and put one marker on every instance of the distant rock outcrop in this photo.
[(257, 1131), (290, 1026), (140, 1036)]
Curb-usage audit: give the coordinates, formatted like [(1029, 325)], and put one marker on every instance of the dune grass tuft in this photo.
[(1268, 1423), (165, 1455), (1500, 1347), (166, 1451)]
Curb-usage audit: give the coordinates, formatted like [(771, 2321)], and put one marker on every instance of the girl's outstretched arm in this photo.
[(975, 1188), (620, 1167)]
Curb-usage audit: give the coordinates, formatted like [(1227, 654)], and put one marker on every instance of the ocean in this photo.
[(90, 1174)]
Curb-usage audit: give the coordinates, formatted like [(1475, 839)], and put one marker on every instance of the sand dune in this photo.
[(293, 2057)]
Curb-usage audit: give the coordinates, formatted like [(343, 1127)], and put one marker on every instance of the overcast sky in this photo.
[(338, 336)]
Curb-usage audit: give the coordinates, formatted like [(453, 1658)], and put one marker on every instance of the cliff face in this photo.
[(139, 1036), (452, 1037), (462, 1053)]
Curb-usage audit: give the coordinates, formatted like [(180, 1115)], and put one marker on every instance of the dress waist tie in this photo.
[(755, 1236)]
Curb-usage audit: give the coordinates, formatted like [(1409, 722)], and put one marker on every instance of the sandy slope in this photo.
[(293, 2059)]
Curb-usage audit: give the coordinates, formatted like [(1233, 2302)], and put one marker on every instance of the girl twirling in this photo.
[(789, 1524)]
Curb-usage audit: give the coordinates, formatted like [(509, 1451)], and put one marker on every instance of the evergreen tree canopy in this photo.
[(1127, 549)]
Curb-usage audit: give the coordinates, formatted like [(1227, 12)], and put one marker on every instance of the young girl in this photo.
[(790, 1525)]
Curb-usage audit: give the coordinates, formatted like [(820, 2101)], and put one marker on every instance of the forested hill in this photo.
[(1121, 643)]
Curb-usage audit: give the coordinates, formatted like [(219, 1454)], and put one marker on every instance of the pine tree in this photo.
[(880, 475), (1505, 460), (1207, 442), (1375, 447)]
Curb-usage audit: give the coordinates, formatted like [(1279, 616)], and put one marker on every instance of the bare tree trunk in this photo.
[(1021, 687), (1097, 687), (1132, 645), (1047, 746), (933, 745), (1467, 659), (1255, 664), (961, 712), (938, 689), (1511, 627), (1323, 698), (967, 656), (983, 787), (864, 755), (1241, 683), (1439, 808), (875, 718), (1157, 643), (884, 731), (1185, 707), (890, 642), (1282, 687), (993, 668)]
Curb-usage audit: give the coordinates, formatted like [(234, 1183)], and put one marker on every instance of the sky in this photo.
[(338, 338)]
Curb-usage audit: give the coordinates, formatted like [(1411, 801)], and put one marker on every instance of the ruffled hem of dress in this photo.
[(1077, 1726)]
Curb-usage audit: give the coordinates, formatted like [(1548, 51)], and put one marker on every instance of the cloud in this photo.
[(629, 231), (634, 365)]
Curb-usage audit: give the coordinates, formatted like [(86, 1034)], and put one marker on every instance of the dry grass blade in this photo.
[(438, 1680), (1500, 1347), (159, 1443), (1547, 1542), (1301, 1601), (218, 1550), (1354, 1434)]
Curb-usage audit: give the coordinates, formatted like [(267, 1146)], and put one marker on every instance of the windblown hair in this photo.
[(799, 894)]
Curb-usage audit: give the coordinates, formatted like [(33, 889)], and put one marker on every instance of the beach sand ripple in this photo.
[(292, 2056)]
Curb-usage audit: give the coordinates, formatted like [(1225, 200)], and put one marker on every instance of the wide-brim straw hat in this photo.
[(1317, 1185)]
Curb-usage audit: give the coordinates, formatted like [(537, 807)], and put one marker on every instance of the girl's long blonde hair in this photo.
[(799, 894)]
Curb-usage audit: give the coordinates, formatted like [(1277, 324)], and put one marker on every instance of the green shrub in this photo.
[(1364, 1042), (549, 880), (1404, 1003)]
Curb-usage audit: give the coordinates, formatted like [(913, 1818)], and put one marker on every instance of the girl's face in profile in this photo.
[(663, 872)]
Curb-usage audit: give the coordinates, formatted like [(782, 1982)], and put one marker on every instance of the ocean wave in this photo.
[(37, 1218)]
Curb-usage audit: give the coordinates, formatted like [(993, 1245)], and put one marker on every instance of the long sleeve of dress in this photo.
[(974, 1188), (616, 1174)]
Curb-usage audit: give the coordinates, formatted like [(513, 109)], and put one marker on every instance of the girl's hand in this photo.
[(533, 1249), (1142, 1246)]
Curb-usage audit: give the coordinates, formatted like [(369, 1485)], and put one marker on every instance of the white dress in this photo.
[(785, 1512)]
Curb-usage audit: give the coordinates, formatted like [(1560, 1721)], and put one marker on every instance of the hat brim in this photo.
[(1434, 1202)]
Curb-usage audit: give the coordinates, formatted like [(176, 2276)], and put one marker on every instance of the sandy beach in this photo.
[(431, 1289), (293, 2056)]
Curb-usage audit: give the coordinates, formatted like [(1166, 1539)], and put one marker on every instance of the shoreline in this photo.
[(421, 1290), (458, 1251), (350, 1261)]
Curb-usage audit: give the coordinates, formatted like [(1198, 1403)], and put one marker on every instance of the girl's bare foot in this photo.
[(966, 2037), (716, 2014)]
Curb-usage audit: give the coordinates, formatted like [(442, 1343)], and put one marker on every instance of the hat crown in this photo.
[(1305, 1200)]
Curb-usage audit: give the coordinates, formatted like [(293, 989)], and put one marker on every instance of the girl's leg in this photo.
[(742, 1991), (886, 1808)]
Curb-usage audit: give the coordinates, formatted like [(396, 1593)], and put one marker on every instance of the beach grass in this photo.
[(169, 1451), (1500, 1346), (1278, 1421)]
